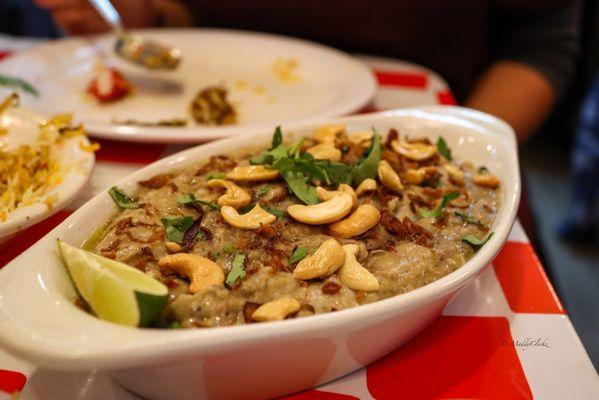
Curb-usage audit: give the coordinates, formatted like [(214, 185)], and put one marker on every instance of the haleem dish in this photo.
[(325, 223)]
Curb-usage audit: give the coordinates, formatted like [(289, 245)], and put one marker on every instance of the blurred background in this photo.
[(557, 121)]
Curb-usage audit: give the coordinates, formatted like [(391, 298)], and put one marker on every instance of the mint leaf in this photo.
[(298, 184), (298, 254), (263, 191), (436, 213), (443, 148), (216, 175), (121, 199), (367, 167), (237, 269), (190, 199), (176, 227), (475, 242), (18, 83), (274, 211), (277, 138), (467, 218)]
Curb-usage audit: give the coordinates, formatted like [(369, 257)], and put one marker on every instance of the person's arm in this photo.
[(516, 93), (78, 17), (534, 54)]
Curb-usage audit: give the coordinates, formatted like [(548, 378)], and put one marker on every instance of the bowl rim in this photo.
[(157, 346)]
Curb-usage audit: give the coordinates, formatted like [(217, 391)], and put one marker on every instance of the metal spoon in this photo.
[(135, 48)]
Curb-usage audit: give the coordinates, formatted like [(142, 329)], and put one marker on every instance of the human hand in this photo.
[(78, 17)]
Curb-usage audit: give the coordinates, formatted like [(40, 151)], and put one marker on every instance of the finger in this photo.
[(60, 4), (80, 22)]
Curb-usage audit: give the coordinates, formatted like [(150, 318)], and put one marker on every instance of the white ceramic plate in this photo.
[(262, 360), (329, 83), (23, 128)]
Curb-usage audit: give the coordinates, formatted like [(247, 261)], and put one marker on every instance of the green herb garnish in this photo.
[(301, 171), (367, 167), (467, 218), (237, 269), (121, 199), (190, 199), (176, 227), (263, 191), (274, 211), (483, 170), (298, 254), (229, 248), (443, 148), (18, 83), (436, 213), (475, 242), (216, 175), (175, 325)]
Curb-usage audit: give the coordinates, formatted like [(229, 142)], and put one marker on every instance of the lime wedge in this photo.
[(115, 291)]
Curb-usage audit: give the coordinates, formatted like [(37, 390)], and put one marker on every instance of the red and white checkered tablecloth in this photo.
[(506, 336)]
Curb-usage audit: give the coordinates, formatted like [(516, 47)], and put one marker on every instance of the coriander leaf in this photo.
[(366, 168), (298, 184), (263, 191), (443, 148), (298, 254), (274, 211), (237, 269), (467, 218), (270, 157), (475, 242), (176, 227), (216, 175), (121, 199), (277, 138), (190, 199), (436, 213), (483, 170), (18, 83)]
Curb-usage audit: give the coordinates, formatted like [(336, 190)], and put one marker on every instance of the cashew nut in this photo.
[(251, 220), (389, 177), (417, 176), (235, 196), (455, 174), (353, 275), (200, 271), (414, 151), (367, 185), (365, 217), (326, 260), (253, 173), (276, 310), (486, 180), (325, 151), (322, 213), (173, 247), (324, 195), (360, 139), (328, 133)]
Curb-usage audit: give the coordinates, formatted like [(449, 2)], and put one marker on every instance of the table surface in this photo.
[(504, 336)]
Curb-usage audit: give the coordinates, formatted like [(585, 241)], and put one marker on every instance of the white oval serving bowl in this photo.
[(23, 127), (39, 322)]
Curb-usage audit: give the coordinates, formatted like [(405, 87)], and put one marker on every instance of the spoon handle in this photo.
[(109, 13)]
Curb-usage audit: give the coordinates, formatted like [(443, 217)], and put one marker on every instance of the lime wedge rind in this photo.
[(115, 291)]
